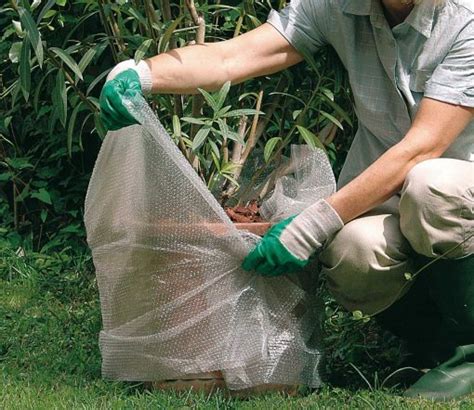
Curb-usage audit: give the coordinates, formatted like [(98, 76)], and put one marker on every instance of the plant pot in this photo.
[(211, 381)]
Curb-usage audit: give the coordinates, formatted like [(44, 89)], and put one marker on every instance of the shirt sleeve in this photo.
[(453, 80), (301, 23)]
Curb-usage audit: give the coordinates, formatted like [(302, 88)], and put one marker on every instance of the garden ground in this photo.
[(49, 358)]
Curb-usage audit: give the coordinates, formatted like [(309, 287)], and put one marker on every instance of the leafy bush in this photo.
[(55, 56)]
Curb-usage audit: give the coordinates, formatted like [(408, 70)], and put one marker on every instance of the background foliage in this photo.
[(54, 57)]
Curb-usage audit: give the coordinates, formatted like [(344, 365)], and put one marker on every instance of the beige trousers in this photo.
[(367, 261)]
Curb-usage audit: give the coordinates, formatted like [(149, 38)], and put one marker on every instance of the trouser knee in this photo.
[(437, 208), (365, 264)]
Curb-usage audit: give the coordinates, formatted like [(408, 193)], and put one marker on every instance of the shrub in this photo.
[(55, 57)]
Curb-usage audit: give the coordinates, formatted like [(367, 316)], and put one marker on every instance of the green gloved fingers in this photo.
[(270, 257), (289, 244), (114, 114)]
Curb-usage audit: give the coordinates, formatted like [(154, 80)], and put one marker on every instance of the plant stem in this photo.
[(141, 27), (15, 207), (178, 104), (103, 18), (116, 31), (198, 99), (151, 18), (275, 102)]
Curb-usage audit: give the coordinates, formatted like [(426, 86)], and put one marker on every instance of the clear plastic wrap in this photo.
[(310, 178), (174, 298)]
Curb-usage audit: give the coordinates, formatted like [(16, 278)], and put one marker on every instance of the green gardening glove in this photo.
[(270, 257), (128, 80), (289, 244)]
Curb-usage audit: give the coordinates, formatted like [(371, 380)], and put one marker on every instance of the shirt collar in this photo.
[(357, 7), (421, 18)]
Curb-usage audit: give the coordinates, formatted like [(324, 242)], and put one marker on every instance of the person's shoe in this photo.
[(452, 379)]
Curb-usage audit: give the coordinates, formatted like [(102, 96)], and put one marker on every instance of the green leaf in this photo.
[(38, 89), (296, 113), (235, 136), (310, 139), (19, 163), (33, 34), (142, 50), (223, 127), (192, 120), (209, 99), (43, 215), (86, 59), (200, 137), (99, 126), (25, 69), (72, 228), (229, 167), (71, 125), (331, 118), (288, 95), (6, 176), (231, 179), (24, 193), (18, 29), (176, 126), (240, 112), (166, 37), (44, 10), (339, 110), (215, 159), (67, 59), (255, 21), (60, 97), (15, 52), (408, 276), (96, 81), (81, 131), (270, 147), (224, 91), (328, 94), (215, 149), (43, 196), (357, 315), (222, 111)]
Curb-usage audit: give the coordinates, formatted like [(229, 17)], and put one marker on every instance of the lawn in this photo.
[(49, 357)]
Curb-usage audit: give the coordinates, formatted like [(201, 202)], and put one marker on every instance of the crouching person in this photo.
[(405, 193)]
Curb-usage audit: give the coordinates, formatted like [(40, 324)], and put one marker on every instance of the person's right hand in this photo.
[(126, 80)]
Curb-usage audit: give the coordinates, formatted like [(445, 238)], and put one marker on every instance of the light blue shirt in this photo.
[(430, 54)]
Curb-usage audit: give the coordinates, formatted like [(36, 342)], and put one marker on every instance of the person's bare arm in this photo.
[(259, 52), (436, 126)]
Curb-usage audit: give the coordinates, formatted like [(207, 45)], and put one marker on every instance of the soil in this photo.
[(244, 214)]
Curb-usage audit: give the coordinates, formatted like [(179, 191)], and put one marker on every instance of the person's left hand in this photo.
[(289, 244)]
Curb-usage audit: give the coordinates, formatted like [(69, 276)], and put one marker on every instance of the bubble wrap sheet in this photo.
[(311, 178), (174, 299)]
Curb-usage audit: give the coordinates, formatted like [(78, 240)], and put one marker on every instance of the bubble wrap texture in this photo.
[(312, 179), (174, 299)]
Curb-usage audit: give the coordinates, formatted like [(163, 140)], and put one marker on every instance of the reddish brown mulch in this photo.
[(244, 214)]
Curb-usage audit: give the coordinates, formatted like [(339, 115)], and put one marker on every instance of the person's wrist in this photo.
[(311, 229), (325, 217), (142, 69)]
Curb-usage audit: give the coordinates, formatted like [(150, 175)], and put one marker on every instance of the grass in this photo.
[(49, 357)]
